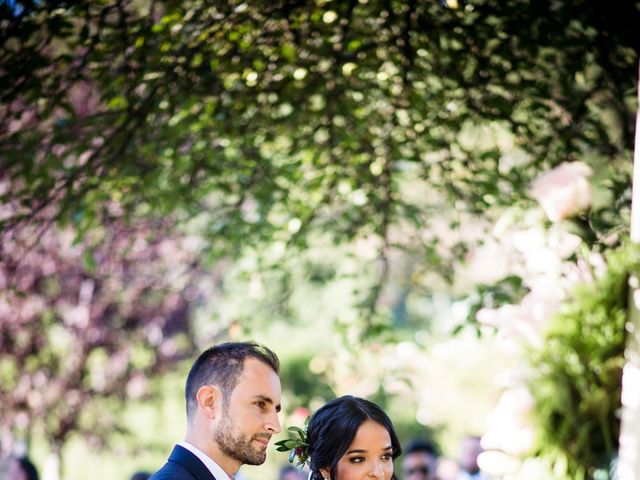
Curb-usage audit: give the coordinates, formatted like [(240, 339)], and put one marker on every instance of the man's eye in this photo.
[(261, 404)]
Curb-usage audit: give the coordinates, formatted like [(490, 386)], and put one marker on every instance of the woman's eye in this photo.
[(356, 459), (387, 456)]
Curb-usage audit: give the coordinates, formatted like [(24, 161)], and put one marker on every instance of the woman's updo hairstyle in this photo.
[(333, 428)]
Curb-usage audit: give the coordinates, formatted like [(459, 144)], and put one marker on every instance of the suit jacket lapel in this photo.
[(192, 463)]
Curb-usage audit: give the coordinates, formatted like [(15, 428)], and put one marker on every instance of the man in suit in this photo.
[(233, 401)]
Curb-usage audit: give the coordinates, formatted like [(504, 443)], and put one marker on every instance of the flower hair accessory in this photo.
[(297, 443)]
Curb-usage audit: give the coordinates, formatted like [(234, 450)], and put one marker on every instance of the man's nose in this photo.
[(273, 423)]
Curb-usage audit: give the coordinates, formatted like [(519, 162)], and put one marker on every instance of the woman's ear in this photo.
[(208, 398), (325, 473)]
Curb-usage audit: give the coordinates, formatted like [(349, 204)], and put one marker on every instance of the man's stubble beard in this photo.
[(237, 446)]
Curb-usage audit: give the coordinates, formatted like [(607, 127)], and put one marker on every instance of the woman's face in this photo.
[(368, 457)]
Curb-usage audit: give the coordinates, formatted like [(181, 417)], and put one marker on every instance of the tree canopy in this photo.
[(278, 117), (130, 127)]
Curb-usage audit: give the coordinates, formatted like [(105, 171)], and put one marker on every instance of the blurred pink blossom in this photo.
[(527, 318), (498, 464), (563, 191), (84, 99), (509, 429), (587, 269)]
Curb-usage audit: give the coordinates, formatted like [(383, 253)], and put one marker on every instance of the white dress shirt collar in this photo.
[(213, 467)]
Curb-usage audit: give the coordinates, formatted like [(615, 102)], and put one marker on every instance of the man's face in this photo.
[(419, 466), (250, 414)]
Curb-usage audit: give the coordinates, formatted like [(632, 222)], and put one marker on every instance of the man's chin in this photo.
[(258, 455), (257, 460)]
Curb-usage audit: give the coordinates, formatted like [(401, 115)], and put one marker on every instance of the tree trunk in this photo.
[(629, 457)]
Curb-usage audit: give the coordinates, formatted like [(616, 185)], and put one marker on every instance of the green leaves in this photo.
[(577, 374), (297, 443), (338, 82)]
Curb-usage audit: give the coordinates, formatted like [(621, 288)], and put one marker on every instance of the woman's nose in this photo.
[(377, 470)]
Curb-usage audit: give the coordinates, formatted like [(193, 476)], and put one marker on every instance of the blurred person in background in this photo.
[(140, 475), (233, 400), (419, 460), (447, 469), (289, 472), (21, 468), (468, 461)]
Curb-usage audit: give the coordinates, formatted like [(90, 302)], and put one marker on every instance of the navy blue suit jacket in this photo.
[(183, 465)]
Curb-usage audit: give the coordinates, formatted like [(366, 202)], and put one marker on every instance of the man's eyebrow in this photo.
[(268, 400)]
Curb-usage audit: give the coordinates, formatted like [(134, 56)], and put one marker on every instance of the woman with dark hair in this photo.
[(349, 438)]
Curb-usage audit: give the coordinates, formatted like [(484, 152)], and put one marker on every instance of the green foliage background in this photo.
[(323, 170), (577, 379)]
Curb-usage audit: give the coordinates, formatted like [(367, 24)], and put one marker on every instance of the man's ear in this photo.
[(209, 400)]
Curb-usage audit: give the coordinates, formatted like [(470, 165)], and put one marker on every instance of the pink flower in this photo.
[(563, 191), (509, 428), (527, 318)]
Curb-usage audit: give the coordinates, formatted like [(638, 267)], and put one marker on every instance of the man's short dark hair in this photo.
[(222, 365), (418, 445)]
